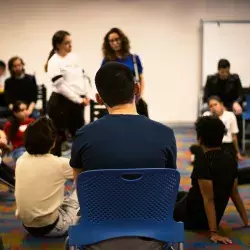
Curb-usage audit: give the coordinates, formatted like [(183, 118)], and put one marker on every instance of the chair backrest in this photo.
[(42, 96), (126, 196), (96, 111), (248, 103)]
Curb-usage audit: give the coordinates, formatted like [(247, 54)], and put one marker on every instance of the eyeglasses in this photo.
[(115, 40)]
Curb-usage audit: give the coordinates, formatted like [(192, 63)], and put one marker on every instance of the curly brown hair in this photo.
[(108, 52)]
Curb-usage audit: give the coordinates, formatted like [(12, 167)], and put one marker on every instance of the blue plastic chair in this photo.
[(245, 117), (127, 203)]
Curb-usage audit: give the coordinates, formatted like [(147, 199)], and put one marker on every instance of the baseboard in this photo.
[(179, 124)]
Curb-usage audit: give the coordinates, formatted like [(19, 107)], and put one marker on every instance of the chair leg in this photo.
[(180, 246), (243, 135)]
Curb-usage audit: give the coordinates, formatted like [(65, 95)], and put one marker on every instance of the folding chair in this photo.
[(96, 111), (126, 203), (245, 117)]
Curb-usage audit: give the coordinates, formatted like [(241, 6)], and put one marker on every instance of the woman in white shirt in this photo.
[(230, 140), (70, 90)]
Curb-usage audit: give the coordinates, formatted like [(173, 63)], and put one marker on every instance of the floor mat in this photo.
[(15, 238)]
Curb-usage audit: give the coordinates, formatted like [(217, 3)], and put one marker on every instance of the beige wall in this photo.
[(164, 33)]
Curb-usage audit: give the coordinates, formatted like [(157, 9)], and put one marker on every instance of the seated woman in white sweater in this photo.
[(40, 179)]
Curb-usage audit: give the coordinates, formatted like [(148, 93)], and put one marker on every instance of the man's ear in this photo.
[(137, 89), (99, 99)]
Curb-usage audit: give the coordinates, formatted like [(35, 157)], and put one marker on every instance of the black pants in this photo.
[(67, 116), (7, 174), (142, 107), (240, 124)]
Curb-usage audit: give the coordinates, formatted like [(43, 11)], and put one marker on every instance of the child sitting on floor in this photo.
[(214, 181), (40, 179), (15, 128)]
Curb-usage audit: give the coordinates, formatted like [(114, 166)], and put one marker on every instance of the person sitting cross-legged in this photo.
[(214, 181), (40, 180), (122, 139)]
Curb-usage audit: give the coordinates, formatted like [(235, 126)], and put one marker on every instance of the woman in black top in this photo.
[(20, 86), (214, 181)]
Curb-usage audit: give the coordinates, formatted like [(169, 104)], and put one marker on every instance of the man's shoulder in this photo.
[(160, 126), (144, 121), (8, 80), (29, 76), (212, 76), (234, 77)]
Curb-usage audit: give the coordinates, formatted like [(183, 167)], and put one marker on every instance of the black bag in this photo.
[(141, 105)]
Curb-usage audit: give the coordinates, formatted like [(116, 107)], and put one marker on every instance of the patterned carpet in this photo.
[(15, 238)]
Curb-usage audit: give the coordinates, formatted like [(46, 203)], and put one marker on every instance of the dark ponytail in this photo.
[(52, 52), (57, 39), (14, 121)]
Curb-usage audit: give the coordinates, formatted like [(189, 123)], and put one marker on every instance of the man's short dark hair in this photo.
[(2, 64), (223, 64), (215, 98), (210, 130), (115, 84), (40, 136)]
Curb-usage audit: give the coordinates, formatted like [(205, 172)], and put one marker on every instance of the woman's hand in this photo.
[(237, 108), (29, 112), (216, 238), (85, 101), (240, 157)]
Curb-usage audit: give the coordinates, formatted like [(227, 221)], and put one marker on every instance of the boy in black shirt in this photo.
[(214, 181)]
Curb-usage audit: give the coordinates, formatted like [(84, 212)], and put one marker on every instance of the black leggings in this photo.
[(66, 116)]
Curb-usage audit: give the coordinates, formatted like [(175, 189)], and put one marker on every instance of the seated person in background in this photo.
[(45, 211), (2, 80), (230, 140), (20, 86), (15, 127), (214, 181), (122, 139), (7, 174), (228, 87), (225, 85)]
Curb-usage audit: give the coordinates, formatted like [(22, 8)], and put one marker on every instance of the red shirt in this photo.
[(17, 141)]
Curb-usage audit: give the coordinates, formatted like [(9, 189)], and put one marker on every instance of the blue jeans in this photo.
[(35, 114), (16, 153)]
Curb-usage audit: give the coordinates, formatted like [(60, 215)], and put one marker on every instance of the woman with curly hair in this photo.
[(116, 47)]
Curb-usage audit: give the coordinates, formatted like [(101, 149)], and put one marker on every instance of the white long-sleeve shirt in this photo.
[(67, 77)]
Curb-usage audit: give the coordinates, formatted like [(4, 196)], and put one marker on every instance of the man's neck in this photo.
[(20, 76), (124, 109)]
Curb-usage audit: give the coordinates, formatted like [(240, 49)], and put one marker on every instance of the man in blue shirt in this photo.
[(122, 139)]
